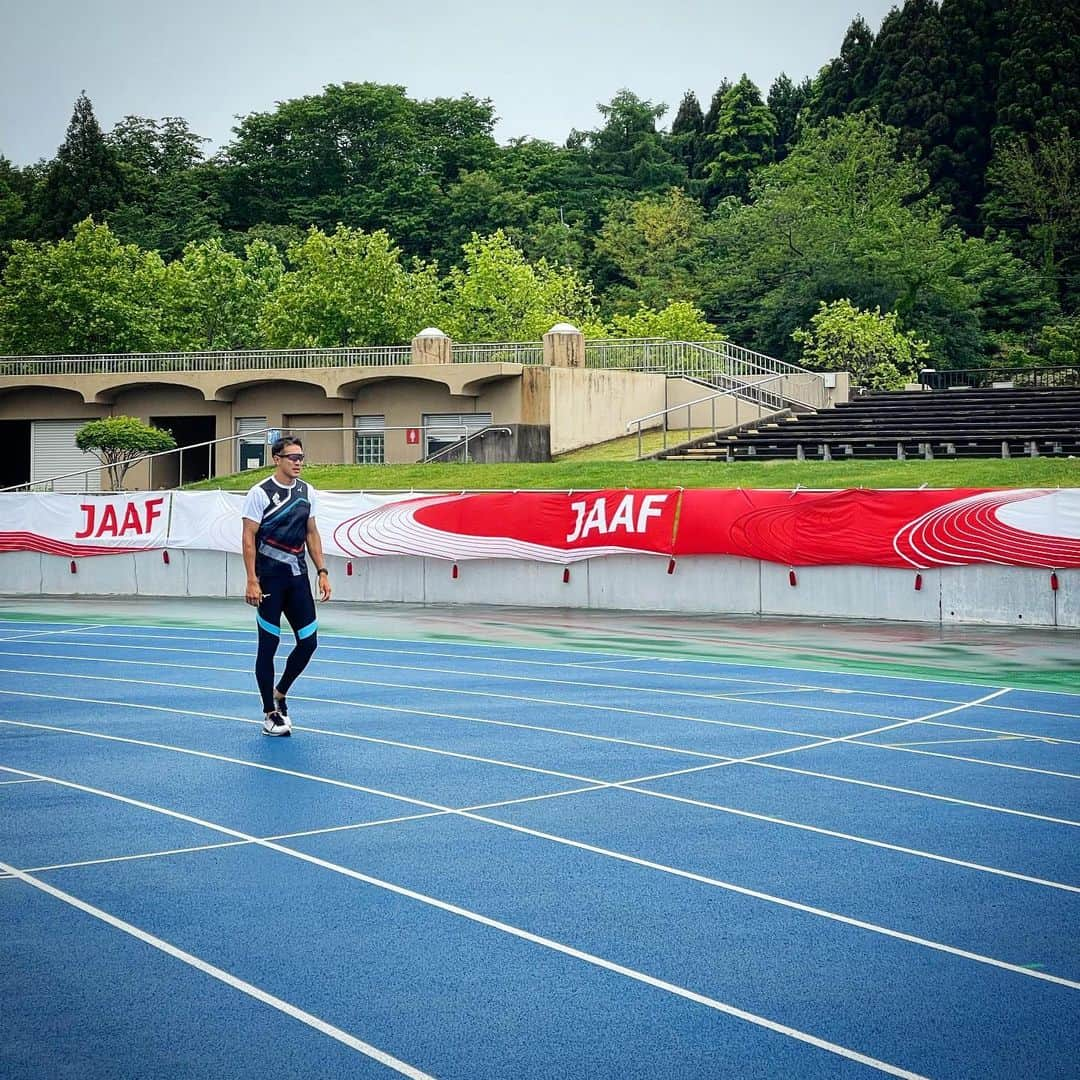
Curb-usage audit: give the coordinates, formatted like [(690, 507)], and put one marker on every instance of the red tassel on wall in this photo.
[(453, 572), (73, 567), (792, 579), (671, 566), (1054, 581), (165, 557), (348, 569), (918, 582), (566, 575)]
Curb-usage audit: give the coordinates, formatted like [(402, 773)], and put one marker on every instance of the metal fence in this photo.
[(1027, 378), (238, 360), (509, 352)]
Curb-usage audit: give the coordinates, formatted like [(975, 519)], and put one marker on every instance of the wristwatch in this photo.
[(323, 570)]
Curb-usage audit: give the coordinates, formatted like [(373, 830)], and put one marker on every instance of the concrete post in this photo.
[(432, 346), (564, 346)]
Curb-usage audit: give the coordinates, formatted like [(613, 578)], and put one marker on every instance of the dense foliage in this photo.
[(929, 172)]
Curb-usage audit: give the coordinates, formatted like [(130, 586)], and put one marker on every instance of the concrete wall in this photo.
[(593, 405), (989, 595)]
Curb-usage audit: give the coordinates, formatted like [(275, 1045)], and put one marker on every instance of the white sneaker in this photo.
[(276, 724)]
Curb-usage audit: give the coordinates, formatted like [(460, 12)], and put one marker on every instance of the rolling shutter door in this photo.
[(450, 427), (53, 452)]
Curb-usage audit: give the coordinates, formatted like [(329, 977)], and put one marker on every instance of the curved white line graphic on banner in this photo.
[(394, 530), (1024, 527)]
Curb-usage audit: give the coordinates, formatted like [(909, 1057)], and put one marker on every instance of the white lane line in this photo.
[(631, 785), (593, 849), (312, 1021), (1001, 731), (973, 739), (971, 761), (50, 633), (595, 784), (788, 686), (453, 909), (441, 690), (916, 793), (415, 711), (676, 657), (7, 783), (586, 664), (623, 785)]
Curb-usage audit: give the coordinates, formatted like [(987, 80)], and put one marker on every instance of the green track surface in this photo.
[(1022, 657)]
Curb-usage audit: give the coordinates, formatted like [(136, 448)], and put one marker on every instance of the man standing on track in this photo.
[(279, 522)]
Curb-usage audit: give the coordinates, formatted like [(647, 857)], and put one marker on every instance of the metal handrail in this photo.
[(743, 392), (464, 442), (1063, 375), (99, 469)]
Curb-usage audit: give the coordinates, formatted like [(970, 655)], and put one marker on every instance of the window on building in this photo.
[(370, 440)]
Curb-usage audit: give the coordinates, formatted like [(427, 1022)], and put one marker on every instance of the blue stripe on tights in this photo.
[(268, 627), (307, 631)]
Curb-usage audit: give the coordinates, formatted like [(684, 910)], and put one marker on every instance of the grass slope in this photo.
[(579, 474)]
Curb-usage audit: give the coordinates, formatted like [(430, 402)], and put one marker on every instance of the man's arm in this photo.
[(253, 592), (314, 546)]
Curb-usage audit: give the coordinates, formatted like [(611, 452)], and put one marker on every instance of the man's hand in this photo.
[(253, 594), (324, 586)]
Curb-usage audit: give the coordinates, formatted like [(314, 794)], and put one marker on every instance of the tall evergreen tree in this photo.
[(1039, 91), (844, 85), (910, 62), (713, 114), (788, 103), (974, 32), (84, 179), (687, 130), (742, 142)]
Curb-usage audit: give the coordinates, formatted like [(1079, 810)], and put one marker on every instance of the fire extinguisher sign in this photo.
[(412, 436)]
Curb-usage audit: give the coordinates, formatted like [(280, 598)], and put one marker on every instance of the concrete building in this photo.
[(399, 404)]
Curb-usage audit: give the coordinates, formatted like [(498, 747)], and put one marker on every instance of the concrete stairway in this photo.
[(951, 423)]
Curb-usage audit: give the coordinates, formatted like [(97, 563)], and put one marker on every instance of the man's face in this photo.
[(290, 461)]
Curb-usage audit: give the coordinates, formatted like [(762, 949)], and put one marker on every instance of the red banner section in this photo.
[(925, 528), (884, 528), (540, 525)]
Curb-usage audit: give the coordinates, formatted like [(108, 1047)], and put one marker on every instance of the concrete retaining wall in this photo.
[(991, 595)]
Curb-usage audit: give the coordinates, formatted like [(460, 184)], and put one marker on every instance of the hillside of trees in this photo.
[(928, 173)]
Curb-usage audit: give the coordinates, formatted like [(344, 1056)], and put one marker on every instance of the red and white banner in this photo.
[(72, 525), (922, 529)]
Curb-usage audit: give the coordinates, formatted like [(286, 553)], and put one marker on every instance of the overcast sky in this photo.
[(544, 64)]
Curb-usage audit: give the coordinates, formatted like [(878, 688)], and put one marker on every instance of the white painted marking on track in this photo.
[(973, 761), (50, 633), (624, 785), (326, 641), (312, 1021), (453, 909), (8, 783), (973, 739), (543, 663)]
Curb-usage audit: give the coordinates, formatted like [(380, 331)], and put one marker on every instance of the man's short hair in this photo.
[(280, 444)]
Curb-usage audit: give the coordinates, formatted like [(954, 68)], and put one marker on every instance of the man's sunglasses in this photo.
[(291, 457)]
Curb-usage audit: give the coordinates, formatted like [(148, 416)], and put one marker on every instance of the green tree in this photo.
[(89, 294), (844, 216), (843, 85), (655, 245), (84, 179), (120, 441), (349, 288), (687, 139), (741, 143), (1035, 197), (715, 103), (214, 300), (499, 296), (170, 195), (867, 344), (628, 148), (678, 321), (360, 154), (1038, 92), (789, 103)]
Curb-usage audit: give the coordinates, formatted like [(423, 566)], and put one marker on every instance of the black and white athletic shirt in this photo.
[(282, 514)]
